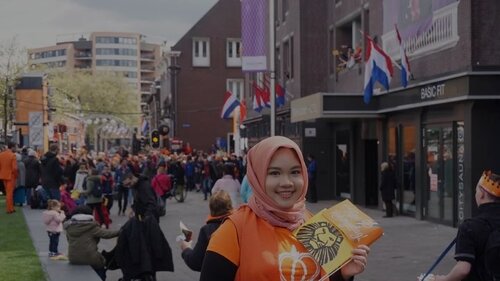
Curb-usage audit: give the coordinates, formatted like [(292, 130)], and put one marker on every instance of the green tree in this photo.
[(101, 93)]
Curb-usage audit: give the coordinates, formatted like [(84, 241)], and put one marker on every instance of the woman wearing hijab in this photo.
[(256, 242)]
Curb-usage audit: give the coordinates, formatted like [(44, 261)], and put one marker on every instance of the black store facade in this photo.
[(439, 135)]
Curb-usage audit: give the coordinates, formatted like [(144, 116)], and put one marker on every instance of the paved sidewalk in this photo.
[(55, 270), (408, 247)]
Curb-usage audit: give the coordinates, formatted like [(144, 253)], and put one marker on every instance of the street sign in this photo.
[(36, 129), (164, 130)]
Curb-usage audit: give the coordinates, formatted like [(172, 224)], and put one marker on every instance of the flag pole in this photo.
[(236, 132), (392, 60), (272, 74)]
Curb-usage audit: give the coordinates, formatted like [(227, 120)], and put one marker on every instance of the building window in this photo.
[(49, 54), (235, 86), (129, 74), (233, 55), (201, 52), (116, 52), (125, 63), (115, 40), (348, 42)]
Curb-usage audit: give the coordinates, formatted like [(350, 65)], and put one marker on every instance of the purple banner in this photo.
[(254, 14), (413, 17)]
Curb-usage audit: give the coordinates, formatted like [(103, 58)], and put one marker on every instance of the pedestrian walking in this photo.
[(33, 173), (145, 200), (477, 251), (251, 243), (80, 176), (8, 174), (312, 172), (122, 191), (388, 184), (229, 184), (142, 249), (206, 183), (161, 184), (94, 195), (52, 172), (108, 187), (20, 191), (53, 219)]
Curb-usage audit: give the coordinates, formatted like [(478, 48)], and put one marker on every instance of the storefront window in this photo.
[(408, 186), (440, 173)]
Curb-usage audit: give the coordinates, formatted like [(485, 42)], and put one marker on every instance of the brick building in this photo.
[(438, 133), (209, 64)]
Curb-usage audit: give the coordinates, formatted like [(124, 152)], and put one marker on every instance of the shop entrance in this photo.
[(401, 148), (438, 173)]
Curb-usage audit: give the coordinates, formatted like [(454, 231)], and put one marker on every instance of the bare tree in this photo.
[(12, 64)]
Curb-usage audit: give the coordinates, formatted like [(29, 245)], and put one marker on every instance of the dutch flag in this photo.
[(405, 64), (378, 67), (230, 104)]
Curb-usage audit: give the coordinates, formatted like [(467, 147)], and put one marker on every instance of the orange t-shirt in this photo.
[(262, 251)]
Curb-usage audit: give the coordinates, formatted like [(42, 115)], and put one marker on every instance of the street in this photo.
[(408, 247)]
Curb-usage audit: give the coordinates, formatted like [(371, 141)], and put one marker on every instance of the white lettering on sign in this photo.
[(432, 91)]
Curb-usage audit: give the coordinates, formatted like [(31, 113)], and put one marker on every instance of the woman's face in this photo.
[(284, 179)]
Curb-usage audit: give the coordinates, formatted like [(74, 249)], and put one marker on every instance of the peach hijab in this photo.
[(258, 160)]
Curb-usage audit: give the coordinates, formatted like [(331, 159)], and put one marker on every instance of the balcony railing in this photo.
[(147, 67), (442, 34), (147, 80), (147, 56), (83, 55)]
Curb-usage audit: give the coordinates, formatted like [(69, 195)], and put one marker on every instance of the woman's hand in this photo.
[(357, 263)]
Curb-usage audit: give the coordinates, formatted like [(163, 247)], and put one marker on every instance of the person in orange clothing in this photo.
[(8, 174), (256, 242)]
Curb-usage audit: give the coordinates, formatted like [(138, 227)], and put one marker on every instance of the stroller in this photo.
[(39, 198)]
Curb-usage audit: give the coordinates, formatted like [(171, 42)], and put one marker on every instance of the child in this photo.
[(68, 204), (53, 218)]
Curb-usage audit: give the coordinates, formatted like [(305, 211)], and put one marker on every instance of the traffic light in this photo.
[(164, 130), (155, 139), (142, 143)]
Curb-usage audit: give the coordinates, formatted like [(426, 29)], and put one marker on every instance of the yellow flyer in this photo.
[(331, 234)]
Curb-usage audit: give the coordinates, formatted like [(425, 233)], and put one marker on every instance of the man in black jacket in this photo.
[(52, 173), (142, 249), (33, 173), (145, 200)]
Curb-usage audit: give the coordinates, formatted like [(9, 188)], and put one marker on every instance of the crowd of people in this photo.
[(255, 204), (79, 189)]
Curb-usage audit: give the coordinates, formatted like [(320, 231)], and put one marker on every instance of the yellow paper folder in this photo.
[(331, 234)]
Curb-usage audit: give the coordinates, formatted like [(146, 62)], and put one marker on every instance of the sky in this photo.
[(40, 23)]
